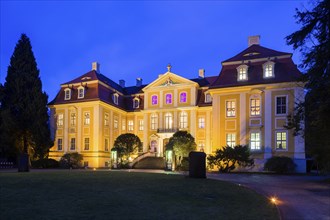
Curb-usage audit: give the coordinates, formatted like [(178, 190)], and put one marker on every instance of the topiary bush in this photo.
[(45, 163), (71, 160), (280, 165)]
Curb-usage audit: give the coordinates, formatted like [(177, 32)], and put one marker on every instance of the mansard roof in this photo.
[(284, 68), (255, 51)]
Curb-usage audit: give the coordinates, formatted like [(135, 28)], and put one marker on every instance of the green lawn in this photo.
[(123, 195)]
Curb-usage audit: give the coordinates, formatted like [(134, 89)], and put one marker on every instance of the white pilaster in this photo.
[(193, 123), (268, 124), (193, 96), (242, 115), (208, 148), (79, 130), (161, 99), (66, 130), (145, 132), (175, 98), (96, 128), (299, 141)]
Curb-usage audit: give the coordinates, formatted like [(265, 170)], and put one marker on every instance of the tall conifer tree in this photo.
[(24, 104)]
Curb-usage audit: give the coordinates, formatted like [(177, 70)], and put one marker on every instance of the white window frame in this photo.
[(106, 119), (181, 93), (86, 143), (156, 100), (208, 97), (87, 120), (123, 124), (242, 73), (130, 125), (60, 120), (286, 105), (115, 98), (141, 125), (59, 144), (255, 140), (265, 69), (255, 98), (72, 144), (73, 119), (168, 120), (286, 141), (201, 122), (115, 123), (171, 98), (154, 121), (183, 120), (136, 103), (230, 141), (232, 112), (67, 94), (81, 95)]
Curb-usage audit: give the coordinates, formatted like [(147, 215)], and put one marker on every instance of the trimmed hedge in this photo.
[(45, 163), (280, 165)]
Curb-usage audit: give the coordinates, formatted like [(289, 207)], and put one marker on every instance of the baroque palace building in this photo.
[(247, 103)]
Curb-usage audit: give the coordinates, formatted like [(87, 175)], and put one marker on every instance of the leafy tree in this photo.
[(71, 160), (182, 143), (313, 40), (24, 105), (127, 144), (227, 158)]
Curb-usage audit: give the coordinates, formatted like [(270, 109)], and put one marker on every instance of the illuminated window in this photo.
[(154, 121), (255, 141), (154, 100), (201, 146), (60, 144), (115, 123), (73, 119), (268, 69), (168, 121), (255, 107), (130, 125), (86, 144), (141, 125), (73, 144), (81, 92), (60, 120), (231, 139), (123, 124), (208, 98), (281, 140), (183, 120), (115, 98), (106, 144), (281, 105), (168, 98), (67, 94), (183, 97), (242, 73), (230, 108), (136, 103), (201, 122), (87, 118), (106, 119)]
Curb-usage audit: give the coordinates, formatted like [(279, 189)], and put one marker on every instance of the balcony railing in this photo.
[(167, 130)]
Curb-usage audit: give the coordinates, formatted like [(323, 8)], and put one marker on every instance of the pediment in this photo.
[(169, 79)]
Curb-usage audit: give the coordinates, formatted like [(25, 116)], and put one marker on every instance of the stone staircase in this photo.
[(150, 162)]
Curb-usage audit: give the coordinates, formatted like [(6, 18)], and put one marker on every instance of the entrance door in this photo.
[(153, 147)]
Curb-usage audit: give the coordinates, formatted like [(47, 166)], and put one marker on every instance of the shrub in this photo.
[(280, 165), (45, 163), (227, 158), (184, 166), (71, 160)]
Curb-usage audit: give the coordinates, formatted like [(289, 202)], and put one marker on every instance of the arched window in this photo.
[(67, 94), (268, 69), (154, 100), (168, 98), (115, 98), (136, 103), (81, 92), (183, 97), (208, 97), (242, 72), (154, 121), (183, 120), (168, 121)]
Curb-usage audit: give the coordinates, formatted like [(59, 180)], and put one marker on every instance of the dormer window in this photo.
[(81, 92), (269, 69), (136, 103), (115, 98), (67, 94), (242, 71), (208, 98)]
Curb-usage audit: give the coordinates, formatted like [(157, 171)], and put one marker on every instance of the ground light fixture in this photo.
[(274, 200)]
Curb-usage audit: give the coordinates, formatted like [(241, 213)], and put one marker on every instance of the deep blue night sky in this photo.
[(138, 39)]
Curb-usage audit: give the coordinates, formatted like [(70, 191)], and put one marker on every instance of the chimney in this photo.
[(254, 40), (96, 67), (138, 82), (201, 73), (122, 83)]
